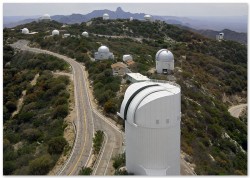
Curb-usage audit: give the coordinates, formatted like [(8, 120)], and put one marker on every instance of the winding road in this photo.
[(88, 120)]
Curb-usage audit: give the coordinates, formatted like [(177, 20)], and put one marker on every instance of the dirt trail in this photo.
[(235, 111), (20, 101)]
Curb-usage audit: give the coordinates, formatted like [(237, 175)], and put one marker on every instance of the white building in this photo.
[(45, 18), (131, 19), (127, 57), (25, 31), (55, 32), (103, 53), (66, 35), (85, 34), (220, 36), (105, 16), (164, 61), (136, 77), (148, 17), (152, 114)]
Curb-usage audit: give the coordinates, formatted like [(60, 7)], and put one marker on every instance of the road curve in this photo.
[(81, 151), (88, 119), (235, 111)]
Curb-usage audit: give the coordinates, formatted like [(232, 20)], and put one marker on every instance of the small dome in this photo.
[(105, 15), (86, 34), (147, 17), (55, 32), (103, 49), (131, 18), (25, 31), (46, 16), (164, 55)]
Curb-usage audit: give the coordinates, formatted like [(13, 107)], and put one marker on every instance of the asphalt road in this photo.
[(87, 121), (236, 110)]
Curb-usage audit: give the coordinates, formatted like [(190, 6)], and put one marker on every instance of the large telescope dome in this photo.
[(103, 49)]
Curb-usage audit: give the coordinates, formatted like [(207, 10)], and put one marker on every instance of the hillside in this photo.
[(215, 141), (228, 34)]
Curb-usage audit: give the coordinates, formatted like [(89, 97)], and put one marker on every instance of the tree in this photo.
[(110, 106), (11, 106), (41, 165), (61, 111), (119, 161), (56, 145), (85, 171)]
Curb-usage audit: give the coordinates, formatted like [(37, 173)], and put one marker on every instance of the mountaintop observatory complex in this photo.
[(152, 114)]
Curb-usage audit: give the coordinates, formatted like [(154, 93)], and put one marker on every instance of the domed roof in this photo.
[(141, 96), (105, 15), (46, 16), (103, 49), (85, 33), (164, 55), (25, 30), (55, 32), (147, 17)]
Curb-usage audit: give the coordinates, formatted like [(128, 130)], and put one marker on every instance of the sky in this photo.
[(166, 9)]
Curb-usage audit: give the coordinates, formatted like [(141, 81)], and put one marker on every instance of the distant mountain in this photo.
[(228, 34), (199, 23)]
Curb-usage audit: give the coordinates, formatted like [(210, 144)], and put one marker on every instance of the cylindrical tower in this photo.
[(152, 114)]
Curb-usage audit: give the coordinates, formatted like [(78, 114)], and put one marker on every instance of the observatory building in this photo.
[(131, 19), (103, 53), (45, 18), (127, 57), (25, 31), (148, 17), (85, 34), (105, 16), (152, 114), (164, 61), (220, 36), (55, 32)]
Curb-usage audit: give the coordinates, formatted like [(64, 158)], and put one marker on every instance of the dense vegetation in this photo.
[(85, 171), (33, 138), (216, 142), (98, 141)]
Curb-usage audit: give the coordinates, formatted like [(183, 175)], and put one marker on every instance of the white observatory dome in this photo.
[(103, 49), (25, 31), (46, 17), (147, 17), (164, 55), (55, 32), (131, 19), (105, 16), (152, 114), (86, 34)]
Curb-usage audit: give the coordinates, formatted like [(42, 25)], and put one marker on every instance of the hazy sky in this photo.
[(167, 9)]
